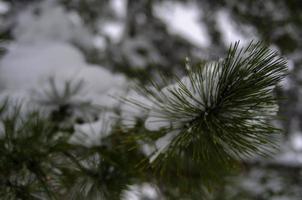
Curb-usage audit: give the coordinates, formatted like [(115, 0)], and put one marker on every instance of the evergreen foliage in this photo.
[(217, 115), (220, 111)]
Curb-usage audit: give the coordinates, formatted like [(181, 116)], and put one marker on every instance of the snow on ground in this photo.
[(183, 19)]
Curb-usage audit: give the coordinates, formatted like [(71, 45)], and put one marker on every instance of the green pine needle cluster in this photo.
[(38, 162), (220, 112)]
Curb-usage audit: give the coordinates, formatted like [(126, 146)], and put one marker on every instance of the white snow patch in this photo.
[(147, 149), (142, 191), (183, 19), (99, 42), (27, 66), (26, 69), (101, 86), (49, 21), (130, 109), (114, 30), (4, 7), (162, 144), (90, 134), (154, 122), (286, 83), (290, 156), (157, 119), (296, 141), (119, 7), (132, 48), (228, 29)]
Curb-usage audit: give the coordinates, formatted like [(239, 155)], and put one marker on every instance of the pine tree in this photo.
[(203, 125)]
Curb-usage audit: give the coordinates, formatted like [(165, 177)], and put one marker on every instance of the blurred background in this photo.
[(96, 49)]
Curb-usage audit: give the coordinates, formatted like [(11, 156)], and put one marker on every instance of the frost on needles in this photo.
[(220, 111)]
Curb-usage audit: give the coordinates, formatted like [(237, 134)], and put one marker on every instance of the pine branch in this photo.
[(37, 162), (220, 112), (26, 145), (216, 115)]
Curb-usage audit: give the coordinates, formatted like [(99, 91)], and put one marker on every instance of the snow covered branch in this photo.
[(220, 111)]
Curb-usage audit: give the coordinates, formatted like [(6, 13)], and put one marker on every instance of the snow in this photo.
[(289, 156), (296, 141), (41, 51), (130, 111), (183, 19), (291, 149), (90, 134), (155, 122), (147, 149), (119, 7), (4, 7), (102, 86), (51, 23), (157, 119), (286, 83), (162, 144), (26, 66), (114, 30), (142, 191), (229, 32), (29, 67), (131, 51), (99, 42)]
